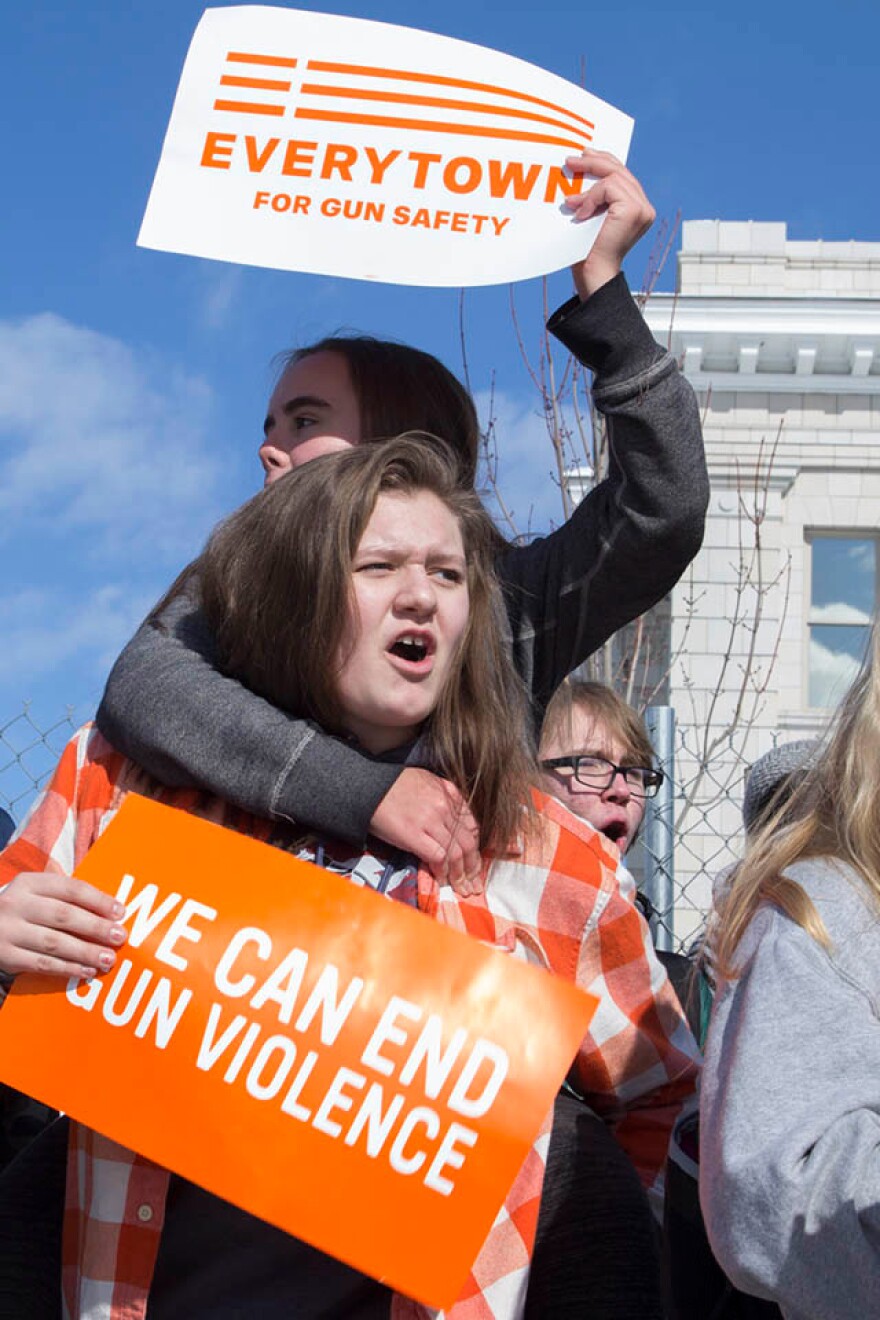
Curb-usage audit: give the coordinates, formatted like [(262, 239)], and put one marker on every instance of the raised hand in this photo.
[(618, 195)]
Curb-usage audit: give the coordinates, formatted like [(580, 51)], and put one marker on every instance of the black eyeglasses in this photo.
[(596, 772)]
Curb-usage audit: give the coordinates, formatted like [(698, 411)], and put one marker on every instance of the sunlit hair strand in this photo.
[(833, 812)]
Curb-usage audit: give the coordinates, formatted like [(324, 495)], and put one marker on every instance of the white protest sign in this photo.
[(337, 146)]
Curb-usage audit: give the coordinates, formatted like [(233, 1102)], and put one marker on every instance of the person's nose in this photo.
[(275, 462), (618, 790), (416, 593)]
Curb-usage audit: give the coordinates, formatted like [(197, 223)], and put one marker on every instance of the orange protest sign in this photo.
[(324, 1058)]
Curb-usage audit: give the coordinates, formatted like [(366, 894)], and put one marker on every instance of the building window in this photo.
[(843, 597)]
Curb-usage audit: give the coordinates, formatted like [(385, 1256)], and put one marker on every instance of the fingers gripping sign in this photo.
[(616, 193), (58, 926), (428, 816)]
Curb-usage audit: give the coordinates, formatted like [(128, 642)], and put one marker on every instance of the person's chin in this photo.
[(407, 721), (621, 840)]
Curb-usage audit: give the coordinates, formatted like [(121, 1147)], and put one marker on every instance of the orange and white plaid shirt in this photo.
[(564, 903)]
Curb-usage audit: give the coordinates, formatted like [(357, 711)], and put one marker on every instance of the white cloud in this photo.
[(98, 438), (110, 479), (831, 674), (220, 289), (863, 554), (838, 612), (45, 631)]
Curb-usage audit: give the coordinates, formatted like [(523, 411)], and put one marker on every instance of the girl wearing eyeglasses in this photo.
[(597, 759)]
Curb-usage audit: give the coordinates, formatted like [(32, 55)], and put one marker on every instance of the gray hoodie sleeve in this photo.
[(168, 708), (631, 538), (790, 1109)]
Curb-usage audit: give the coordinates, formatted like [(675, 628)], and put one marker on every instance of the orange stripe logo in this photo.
[(255, 84), (277, 61), (491, 117), (440, 102), (436, 126), (462, 84)]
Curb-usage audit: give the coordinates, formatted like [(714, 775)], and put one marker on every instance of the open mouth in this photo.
[(411, 648), (615, 831)]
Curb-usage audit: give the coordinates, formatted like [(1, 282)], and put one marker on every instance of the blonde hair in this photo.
[(833, 812)]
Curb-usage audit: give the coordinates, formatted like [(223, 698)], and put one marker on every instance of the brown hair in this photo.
[(601, 703), (832, 812), (274, 583), (401, 389)]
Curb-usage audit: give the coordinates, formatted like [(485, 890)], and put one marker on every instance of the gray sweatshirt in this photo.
[(790, 1109)]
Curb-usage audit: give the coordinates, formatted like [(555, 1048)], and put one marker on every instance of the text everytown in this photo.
[(364, 167)]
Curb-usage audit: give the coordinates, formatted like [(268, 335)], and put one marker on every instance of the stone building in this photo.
[(781, 341)]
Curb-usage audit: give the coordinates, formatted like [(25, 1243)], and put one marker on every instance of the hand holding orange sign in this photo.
[(57, 925), (379, 1053)]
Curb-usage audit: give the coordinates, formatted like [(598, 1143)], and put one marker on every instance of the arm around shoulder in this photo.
[(170, 709)]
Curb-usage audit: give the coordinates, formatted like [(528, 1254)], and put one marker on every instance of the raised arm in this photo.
[(633, 535)]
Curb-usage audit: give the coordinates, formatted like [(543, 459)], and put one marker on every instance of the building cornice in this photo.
[(771, 344), (763, 315)]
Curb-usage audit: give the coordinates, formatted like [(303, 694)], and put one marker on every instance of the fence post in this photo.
[(659, 829)]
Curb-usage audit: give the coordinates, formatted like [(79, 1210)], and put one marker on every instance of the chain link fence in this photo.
[(692, 830), (29, 749)]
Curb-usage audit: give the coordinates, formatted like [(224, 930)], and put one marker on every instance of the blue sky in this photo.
[(133, 382)]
